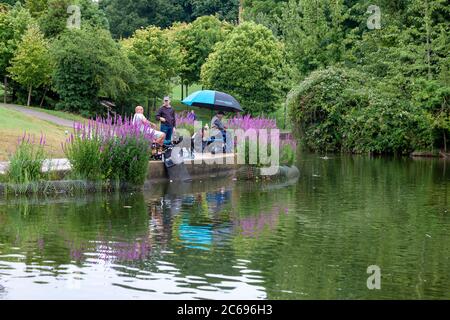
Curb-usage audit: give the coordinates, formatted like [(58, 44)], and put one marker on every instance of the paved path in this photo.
[(47, 166), (39, 115)]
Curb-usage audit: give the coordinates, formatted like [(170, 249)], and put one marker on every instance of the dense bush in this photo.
[(110, 150), (387, 127), (85, 157), (318, 105), (339, 110)]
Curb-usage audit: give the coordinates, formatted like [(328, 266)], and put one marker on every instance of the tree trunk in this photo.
[(241, 11), (187, 90), (285, 115), (182, 90), (29, 96), (427, 26), (5, 79), (445, 142), (43, 98)]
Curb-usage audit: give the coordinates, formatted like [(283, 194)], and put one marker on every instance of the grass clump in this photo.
[(25, 166)]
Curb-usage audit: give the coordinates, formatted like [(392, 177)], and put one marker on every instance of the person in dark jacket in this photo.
[(166, 115)]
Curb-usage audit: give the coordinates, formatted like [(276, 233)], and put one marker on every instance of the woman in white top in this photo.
[(139, 117)]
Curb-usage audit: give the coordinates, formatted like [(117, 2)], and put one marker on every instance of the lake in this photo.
[(311, 238)]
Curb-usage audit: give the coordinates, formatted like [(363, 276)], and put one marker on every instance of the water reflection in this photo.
[(136, 242), (312, 238)]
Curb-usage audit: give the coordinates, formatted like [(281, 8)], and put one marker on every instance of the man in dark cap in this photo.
[(166, 115)]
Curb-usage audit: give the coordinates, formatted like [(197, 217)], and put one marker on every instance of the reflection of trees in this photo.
[(313, 239), (63, 231), (351, 213)]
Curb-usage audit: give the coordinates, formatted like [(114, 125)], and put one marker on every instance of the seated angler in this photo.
[(139, 118)]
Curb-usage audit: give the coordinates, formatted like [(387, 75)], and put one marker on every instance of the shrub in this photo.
[(26, 163), (85, 157), (247, 122), (112, 150), (338, 110), (318, 104), (288, 151), (185, 121), (387, 127)]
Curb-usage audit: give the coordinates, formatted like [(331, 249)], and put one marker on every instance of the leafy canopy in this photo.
[(246, 65)]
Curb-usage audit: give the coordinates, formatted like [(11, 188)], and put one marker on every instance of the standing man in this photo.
[(166, 115)]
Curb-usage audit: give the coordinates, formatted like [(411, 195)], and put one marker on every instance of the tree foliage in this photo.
[(126, 16), (53, 21), (197, 41), (157, 60), (89, 64), (340, 110), (246, 64), (14, 22), (31, 65)]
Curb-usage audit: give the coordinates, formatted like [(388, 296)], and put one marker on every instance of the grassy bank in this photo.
[(13, 124)]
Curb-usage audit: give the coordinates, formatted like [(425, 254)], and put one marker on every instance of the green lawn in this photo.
[(202, 114), (176, 91), (13, 124)]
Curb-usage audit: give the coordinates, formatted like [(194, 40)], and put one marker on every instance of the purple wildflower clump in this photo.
[(248, 122), (110, 149), (184, 119), (113, 128)]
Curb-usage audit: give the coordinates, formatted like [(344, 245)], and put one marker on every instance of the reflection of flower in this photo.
[(255, 225), (41, 244), (125, 251), (112, 251)]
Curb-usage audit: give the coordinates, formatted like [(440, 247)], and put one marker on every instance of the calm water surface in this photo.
[(312, 238)]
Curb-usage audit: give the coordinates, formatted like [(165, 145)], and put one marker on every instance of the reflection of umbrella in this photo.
[(196, 237), (213, 100)]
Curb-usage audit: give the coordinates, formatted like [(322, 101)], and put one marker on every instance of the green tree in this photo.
[(224, 9), (13, 24), (31, 65), (89, 64), (265, 12), (156, 58), (36, 7), (312, 31), (54, 19), (126, 16), (247, 65), (197, 41)]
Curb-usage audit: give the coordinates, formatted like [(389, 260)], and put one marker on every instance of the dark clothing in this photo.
[(219, 125), (168, 130), (168, 114)]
